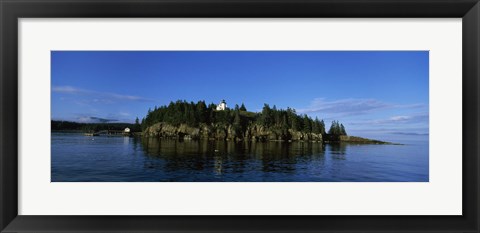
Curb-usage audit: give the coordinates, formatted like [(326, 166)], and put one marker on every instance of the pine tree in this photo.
[(202, 112), (316, 126), (243, 108), (333, 128), (307, 124), (137, 126), (322, 127), (342, 130), (266, 119)]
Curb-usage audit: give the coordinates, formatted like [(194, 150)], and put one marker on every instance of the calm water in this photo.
[(98, 159)]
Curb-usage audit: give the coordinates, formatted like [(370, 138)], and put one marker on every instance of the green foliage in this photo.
[(337, 129), (243, 108), (137, 127), (318, 126), (90, 127), (194, 114)]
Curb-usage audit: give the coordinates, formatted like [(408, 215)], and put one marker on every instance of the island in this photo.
[(184, 120)]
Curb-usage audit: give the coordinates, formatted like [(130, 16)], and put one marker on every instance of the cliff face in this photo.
[(223, 132)]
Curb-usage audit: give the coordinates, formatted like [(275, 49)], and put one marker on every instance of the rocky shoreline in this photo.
[(252, 133), (227, 132)]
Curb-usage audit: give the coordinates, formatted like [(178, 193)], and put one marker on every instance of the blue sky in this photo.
[(373, 93)]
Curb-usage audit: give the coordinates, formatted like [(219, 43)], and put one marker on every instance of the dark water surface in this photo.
[(76, 157)]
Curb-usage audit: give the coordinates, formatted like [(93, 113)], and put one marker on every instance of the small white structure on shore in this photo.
[(127, 130), (222, 106)]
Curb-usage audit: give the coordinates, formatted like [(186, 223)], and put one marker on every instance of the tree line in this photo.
[(93, 127), (194, 114)]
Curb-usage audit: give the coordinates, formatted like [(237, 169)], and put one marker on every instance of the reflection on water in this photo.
[(79, 158), (230, 157)]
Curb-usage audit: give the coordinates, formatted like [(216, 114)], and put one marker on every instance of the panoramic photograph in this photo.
[(239, 116)]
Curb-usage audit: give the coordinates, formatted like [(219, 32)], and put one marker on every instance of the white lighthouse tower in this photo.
[(222, 106)]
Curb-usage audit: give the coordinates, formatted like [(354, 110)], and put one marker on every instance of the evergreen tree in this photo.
[(316, 126), (284, 122), (322, 127), (307, 124), (337, 129), (342, 130), (266, 117), (144, 124), (202, 112), (243, 108), (332, 129), (137, 126)]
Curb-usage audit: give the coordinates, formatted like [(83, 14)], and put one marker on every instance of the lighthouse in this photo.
[(222, 106)]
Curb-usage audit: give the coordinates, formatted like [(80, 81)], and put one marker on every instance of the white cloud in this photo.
[(100, 97), (351, 107), (344, 107), (396, 120), (66, 89)]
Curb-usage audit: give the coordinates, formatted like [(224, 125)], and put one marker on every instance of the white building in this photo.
[(222, 106), (127, 130)]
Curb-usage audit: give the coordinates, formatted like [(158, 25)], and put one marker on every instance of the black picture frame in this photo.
[(11, 11)]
